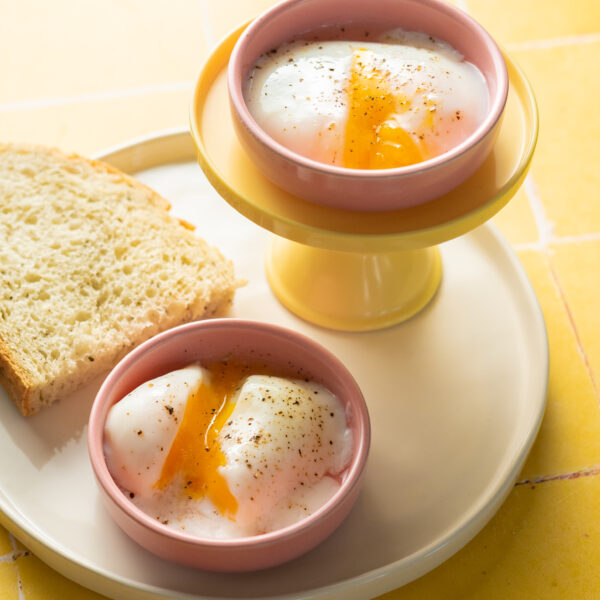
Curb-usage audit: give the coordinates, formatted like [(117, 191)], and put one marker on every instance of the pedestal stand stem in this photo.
[(352, 291)]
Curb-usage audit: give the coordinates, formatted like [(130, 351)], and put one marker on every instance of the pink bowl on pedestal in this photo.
[(362, 189), (288, 353)]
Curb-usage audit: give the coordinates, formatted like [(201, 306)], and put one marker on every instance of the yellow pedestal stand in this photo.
[(347, 270), (351, 290)]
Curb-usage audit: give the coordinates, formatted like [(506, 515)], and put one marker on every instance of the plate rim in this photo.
[(104, 582)]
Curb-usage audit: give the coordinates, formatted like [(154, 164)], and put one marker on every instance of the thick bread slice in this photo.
[(91, 264)]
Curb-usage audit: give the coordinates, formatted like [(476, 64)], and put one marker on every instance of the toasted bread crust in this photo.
[(92, 264)]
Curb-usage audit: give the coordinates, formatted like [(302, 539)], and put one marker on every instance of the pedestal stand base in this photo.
[(352, 291)]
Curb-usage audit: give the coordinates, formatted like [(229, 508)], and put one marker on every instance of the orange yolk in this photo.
[(195, 453), (373, 137)]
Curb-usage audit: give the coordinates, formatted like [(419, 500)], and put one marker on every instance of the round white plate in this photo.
[(456, 396)]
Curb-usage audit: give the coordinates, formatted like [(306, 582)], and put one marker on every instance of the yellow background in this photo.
[(85, 75)]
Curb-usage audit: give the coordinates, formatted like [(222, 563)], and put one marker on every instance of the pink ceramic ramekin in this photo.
[(287, 352), (359, 189)]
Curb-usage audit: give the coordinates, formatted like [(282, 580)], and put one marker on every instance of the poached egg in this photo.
[(218, 452), (393, 102)]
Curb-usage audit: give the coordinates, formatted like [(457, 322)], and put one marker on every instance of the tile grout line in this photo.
[(207, 27), (546, 238), (591, 472), (578, 341), (574, 239), (16, 553), (558, 241), (544, 44), (544, 226), (165, 88)]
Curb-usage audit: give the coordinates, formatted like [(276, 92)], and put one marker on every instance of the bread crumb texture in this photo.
[(91, 264)]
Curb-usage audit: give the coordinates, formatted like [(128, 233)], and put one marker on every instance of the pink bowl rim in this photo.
[(96, 428), (495, 110)]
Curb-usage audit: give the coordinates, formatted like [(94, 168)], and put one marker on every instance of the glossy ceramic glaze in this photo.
[(288, 353), (358, 189), (385, 262)]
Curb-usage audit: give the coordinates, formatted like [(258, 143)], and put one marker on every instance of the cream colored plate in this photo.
[(456, 396)]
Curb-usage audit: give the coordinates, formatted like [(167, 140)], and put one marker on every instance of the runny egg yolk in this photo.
[(373, 137), (195, 453)]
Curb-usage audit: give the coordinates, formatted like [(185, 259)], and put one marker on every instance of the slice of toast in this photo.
[(91, 265)]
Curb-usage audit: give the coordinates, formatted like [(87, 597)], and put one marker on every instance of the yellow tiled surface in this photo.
[(511, 21), (9, 579), (72, 48), (566, 163), (6, 545), (516, 220), (577, 269), (37, 580), (87, 75), (572, 413), (542, 543), (82, 126)]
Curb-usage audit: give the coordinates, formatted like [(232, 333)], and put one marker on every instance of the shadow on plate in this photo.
[(42, 435)]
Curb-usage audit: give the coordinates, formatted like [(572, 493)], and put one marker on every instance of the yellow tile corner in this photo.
[(544, 542), (569, 437), (40, 582)]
